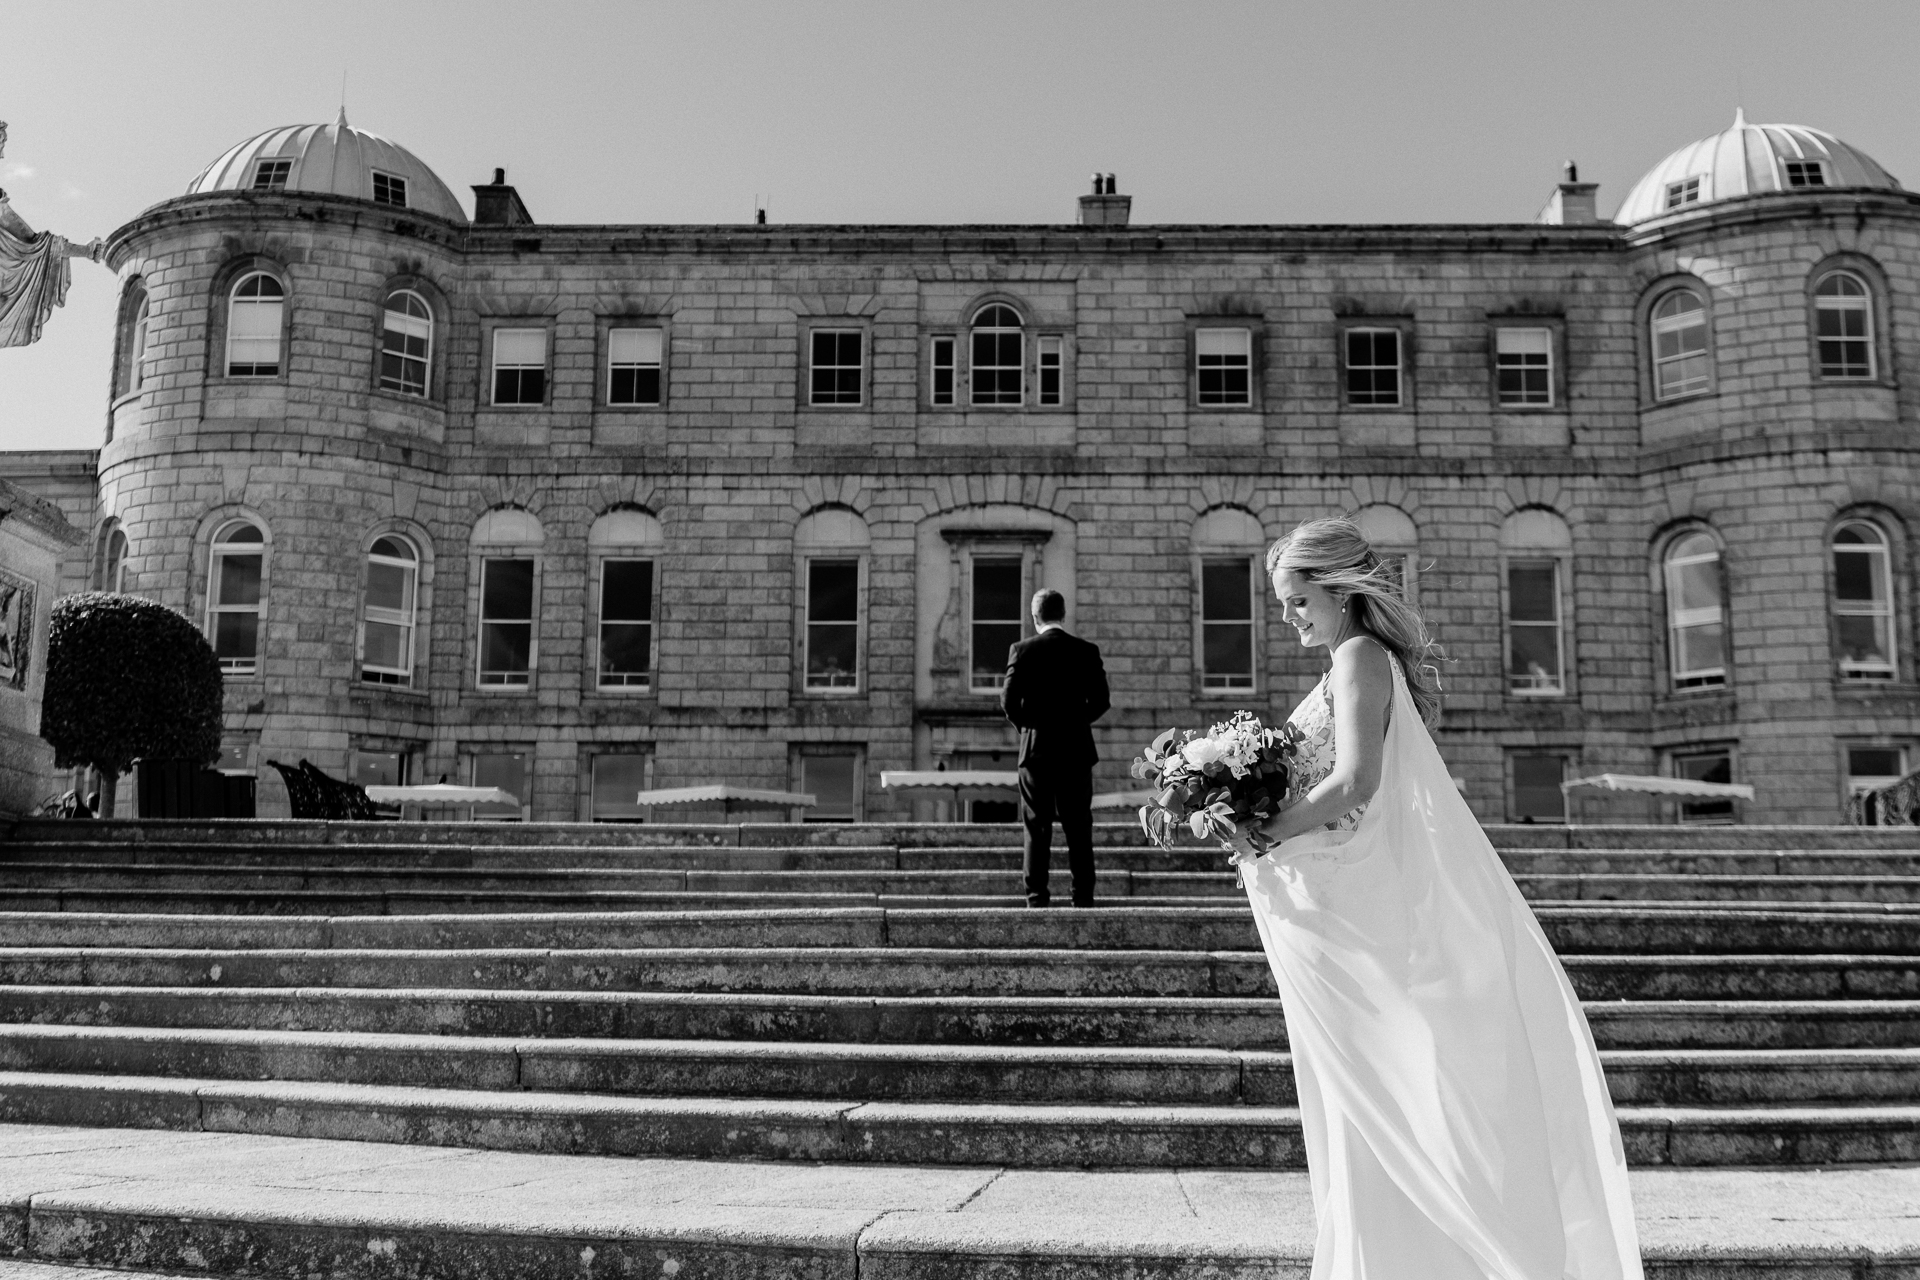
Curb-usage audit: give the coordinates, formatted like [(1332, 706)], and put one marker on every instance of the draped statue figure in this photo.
[(33, 271)]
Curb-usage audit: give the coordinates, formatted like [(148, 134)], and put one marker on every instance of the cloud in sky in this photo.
[(20, 171)]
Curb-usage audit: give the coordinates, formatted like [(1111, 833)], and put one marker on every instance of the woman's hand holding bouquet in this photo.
[(1222, 783)]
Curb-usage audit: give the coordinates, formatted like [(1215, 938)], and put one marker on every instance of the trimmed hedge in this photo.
[(128, 679)]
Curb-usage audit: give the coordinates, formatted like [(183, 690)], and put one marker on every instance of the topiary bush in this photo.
[(128, 679)]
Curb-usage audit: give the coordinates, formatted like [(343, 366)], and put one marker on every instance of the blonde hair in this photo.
[(1334, 554)]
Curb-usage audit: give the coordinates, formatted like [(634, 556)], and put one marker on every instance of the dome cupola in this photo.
[(332, 159), (1750, 160)]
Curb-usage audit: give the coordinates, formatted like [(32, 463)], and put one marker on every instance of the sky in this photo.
[(913, 112)]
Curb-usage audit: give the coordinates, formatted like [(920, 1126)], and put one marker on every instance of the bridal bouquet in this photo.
[(1218, 782)]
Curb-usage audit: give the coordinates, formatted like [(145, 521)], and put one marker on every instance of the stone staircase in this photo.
[(877, 995)]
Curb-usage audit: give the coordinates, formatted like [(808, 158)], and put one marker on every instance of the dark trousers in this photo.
[(1047, 793)]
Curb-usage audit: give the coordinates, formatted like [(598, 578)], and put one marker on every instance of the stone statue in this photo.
[(33, 271)]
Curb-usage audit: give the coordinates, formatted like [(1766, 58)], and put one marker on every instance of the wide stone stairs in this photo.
[(878, 994)]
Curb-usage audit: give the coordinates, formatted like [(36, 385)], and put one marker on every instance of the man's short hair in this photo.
[(1049, 605)]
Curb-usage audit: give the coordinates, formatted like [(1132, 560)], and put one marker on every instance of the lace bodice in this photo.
[(1314, 718)]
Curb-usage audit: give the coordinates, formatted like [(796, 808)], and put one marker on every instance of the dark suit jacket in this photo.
[(1056, 688)]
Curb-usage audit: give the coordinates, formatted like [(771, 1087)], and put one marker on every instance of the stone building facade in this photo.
[(587, 509)]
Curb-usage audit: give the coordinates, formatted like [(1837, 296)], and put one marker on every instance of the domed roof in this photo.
[(1747, 160), (336, 159)]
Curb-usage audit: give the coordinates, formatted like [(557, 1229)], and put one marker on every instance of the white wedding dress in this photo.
[(1456, 1121)]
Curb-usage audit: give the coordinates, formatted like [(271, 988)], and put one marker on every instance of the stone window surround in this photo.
[(1569, 623), (1880, 315), (959, 332), (1256, 330), (479, 551), (603, 325), (1650, 297), (1207, 546), (1556, 327), (1662, 628), (1893, 529), (200, 588), (1401, 323), (597, 558), (422, 609), (956, 623), (223, 284), (799, 750), (437, 307), (488, 325), (807, 548), (803, 383)]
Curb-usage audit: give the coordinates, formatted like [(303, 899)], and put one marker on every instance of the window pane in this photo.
[(634, 385), (379, 768), (1535, 657), (239, 580), (996, 589), (634, 346), (1531, 594), (1534, 342), (386, 645), (626, 593), (508, 589), (1702, 648), (505, 650), (1696, 585), (389, 587), (1863, 639), (1874, 762), (833, 655), (990, 644), (829, 779), (236, 635), (508, 771), (1856, 575), (1536, 788), (519, 346), (833, 591), (1226, 591), (617, 781), (1227, 655), (626, 652)]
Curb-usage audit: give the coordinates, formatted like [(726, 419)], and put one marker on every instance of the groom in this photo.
[(1056, 688)]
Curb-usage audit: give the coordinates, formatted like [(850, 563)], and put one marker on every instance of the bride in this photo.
[(1456, 1121)]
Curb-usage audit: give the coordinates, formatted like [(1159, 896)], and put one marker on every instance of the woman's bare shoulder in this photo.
[(1364, 659)]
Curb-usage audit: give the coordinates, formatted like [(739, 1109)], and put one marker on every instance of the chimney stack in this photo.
[(498, 205), (1572, 202), (1105, 207)]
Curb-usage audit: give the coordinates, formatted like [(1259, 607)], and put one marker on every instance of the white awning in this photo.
[(1121, 799), (725, 793), (440, 793), (949, 779), (1661, 786)]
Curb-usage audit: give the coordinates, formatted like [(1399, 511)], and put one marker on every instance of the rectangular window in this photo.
[(1533, 626), (1683, 192), (506, 622), (1697, 621), (997, 358), (1226, 624), (236, 612), (1805, 173), (1373, 366), (618, 779), (1870, 768), (942, 384), (833, 624), (996, 620), (837, 366), (1537, 796), (508, 771), (271, 175), (1525, 366), (388, 189), (626, 624), (381, 768), (633, 365), (519, 366), (1705, 766), (253, 335), (1051, 369), (1223, 366), (830, 778)]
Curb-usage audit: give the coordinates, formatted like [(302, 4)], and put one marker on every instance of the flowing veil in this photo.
[(1437, 1041)]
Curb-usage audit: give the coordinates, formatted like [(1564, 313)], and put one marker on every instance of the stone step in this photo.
[(1620, 928), (511, 858), (897, 971), (1019, 1136), (312, 888), (146, 1203), (1214, 1022), (1027, 1075)]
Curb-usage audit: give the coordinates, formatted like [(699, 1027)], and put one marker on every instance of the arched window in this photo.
[(1863, 602), (831, 546), (1227, 543), (113, 561), (256, 312), (625, 547), (998, 355), (1395, 541), (406, 343), (507, 544), (1696, 613), (1843, 325), (1537, 549), (1680, 365), (233, 596), (386, 624)]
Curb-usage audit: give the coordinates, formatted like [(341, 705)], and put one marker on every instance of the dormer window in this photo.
[(1683, 192), (388, 189), (271, 175), (1806, 173)]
